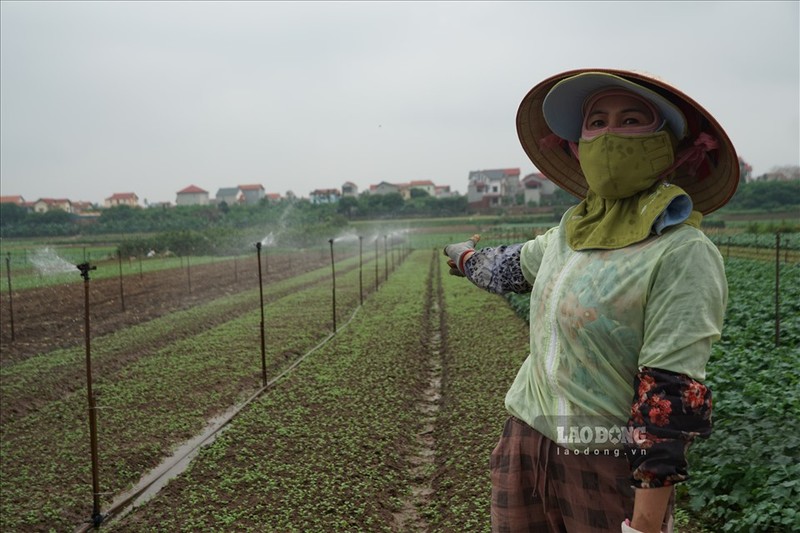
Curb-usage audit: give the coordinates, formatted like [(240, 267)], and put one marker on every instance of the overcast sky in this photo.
[(150, 97)]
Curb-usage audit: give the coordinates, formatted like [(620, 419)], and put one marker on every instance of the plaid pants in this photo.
[(536, 487)]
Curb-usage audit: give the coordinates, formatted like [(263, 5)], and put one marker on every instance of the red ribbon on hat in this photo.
[(693, 156)]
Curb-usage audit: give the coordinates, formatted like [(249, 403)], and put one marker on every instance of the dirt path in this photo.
[(420, 459)]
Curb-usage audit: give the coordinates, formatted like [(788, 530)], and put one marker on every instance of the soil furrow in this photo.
[(420, 459)]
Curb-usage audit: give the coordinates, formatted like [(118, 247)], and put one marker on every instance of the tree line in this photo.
[(297, 219)]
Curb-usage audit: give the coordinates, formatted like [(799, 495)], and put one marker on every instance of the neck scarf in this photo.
[(627, 201)]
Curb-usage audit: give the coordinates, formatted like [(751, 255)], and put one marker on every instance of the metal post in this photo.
[(261, 296), (777, 289), (393, 246), (361, 269), (10, 297), (97, 518), (385, 259), (189, 274), (333, 285), (376, 262), (121, 289)]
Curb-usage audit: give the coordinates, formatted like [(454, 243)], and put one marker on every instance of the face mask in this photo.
[(618, 166)]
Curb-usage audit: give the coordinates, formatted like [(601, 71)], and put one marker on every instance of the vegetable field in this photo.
[(386, 424)]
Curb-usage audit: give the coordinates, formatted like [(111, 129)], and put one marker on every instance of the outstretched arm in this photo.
[(495, 269)]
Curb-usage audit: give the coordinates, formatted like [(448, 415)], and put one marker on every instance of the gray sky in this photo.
[(150, 97)]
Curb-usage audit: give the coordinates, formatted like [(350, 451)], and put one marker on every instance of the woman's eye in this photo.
[(630, 121), (597, 124)]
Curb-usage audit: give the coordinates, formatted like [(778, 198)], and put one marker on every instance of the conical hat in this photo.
[(710, 183)]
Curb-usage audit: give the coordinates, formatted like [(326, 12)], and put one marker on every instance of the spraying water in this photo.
[(347, 237), (269, 240), (272, 238), (47, 261)]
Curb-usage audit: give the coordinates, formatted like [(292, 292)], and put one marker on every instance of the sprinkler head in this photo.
[(85, 268), (258, 246)]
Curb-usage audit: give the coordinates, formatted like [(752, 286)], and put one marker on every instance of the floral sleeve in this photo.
[(669, 411), (497, 270)]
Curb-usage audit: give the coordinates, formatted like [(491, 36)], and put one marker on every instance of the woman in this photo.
[(627, 295)]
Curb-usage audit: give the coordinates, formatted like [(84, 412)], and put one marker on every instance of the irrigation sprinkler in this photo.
[(235, 270), (97, 518), (333, 285), (10, 298), (121, 289), (261, 296), (361, 269)]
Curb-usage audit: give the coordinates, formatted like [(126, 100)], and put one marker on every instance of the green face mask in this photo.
[(618, 166)]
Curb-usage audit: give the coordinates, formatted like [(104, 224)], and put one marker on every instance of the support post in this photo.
[(97, 517)]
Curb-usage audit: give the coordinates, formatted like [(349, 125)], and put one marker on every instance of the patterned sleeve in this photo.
[(669, 411), (497, 270)]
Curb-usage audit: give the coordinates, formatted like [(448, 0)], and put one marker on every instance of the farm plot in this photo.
[(51, 317), (336, 445), (151, 397), (324, 449)]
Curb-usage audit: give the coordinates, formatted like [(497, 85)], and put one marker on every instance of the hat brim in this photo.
[(710, 188), (563, 104)]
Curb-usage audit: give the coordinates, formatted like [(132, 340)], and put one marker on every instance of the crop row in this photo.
[(746, 477), (150, 404)]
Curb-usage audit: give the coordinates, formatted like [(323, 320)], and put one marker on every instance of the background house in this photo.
[(493, 188), (16, 200), (536, 186), (252, 193), (384, 187), (324, 196), (192, 195), (349, 189), (229, 195), (443, 191), (43, 205), (122, 198)]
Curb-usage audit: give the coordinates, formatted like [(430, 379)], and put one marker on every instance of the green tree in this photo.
[(12, 214)]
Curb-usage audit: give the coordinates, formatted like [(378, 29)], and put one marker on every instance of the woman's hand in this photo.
[(458, 254)]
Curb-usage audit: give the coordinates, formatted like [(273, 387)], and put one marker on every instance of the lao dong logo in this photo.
[(595, 436), (599, 435)]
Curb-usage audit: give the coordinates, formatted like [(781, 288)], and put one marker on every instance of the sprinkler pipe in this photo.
[(333, 285), (97, 517), (376, 263), (261, 296)]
